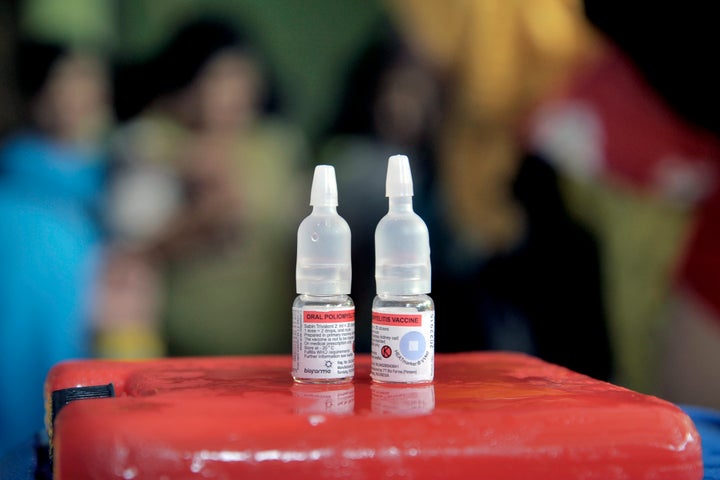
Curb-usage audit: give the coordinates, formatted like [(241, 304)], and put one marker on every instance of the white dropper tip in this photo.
[(324, 187), (399, 179)]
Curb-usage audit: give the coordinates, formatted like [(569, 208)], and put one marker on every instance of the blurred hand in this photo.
[(212, 216)]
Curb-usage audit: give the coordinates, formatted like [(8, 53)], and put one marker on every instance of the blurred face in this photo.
[(407, 104), (74, 103), (227, 92)]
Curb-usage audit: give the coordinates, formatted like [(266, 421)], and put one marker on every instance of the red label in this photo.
[(333, 316), (397, 319)]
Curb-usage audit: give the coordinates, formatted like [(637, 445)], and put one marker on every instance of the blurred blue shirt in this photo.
[(49, 237)]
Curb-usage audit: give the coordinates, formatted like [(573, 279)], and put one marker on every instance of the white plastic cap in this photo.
[(399, 179), (402, 242), (324, 187), (323, 245)]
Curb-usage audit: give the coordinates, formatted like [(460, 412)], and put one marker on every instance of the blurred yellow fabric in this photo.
[(499, 58)]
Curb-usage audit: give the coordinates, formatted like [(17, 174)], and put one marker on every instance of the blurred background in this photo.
[(156, 158)]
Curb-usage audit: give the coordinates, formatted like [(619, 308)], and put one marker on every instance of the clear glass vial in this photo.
[(323, 313), (403, 323)]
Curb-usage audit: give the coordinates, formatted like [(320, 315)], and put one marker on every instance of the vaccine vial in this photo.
[(403, 315), (323, 335)]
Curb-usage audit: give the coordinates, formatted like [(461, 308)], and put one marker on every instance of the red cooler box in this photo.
[(488, 415)]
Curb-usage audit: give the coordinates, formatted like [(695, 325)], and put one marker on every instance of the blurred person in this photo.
[(684, 172), (51, 183), (391, 105), (206, 195), (652, 147), (632, 170), (636, 139), (512, 270)]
